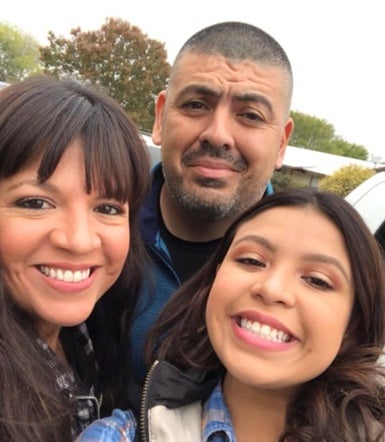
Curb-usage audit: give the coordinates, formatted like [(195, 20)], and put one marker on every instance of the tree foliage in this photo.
[(281, 181), (344, 180), (316, 134), (131, 67), (19, 54)]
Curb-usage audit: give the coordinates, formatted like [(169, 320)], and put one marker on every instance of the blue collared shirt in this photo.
[(216, 421), (121, 426)]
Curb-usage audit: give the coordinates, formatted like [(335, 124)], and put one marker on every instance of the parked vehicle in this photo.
[(153, 150), (369, 200)]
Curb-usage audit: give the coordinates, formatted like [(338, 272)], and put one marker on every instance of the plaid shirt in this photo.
[(121, 426), (78, 381)]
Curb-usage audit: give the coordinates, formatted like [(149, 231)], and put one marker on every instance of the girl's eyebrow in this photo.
[(258, 240), (328, 260), (309, 257)]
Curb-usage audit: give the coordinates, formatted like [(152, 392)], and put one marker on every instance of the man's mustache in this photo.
[(236, 162)]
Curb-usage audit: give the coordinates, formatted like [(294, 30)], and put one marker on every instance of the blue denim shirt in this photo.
[(121, 426)]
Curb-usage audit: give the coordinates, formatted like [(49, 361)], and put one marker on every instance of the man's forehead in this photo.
[(214, 77), (216, 71)]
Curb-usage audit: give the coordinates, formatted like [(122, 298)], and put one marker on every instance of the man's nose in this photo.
[(218, 129)]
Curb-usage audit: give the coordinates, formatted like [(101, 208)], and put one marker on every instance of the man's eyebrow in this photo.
[(211, 92), (199, 89), (254, 98)]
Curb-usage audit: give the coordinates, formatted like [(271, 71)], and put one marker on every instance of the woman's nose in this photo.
[(76, 233)]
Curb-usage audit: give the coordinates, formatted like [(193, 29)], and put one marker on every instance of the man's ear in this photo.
[(157, 127), (287, 131)]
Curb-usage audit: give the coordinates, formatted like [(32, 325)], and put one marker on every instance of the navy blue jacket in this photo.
[(160, 280)]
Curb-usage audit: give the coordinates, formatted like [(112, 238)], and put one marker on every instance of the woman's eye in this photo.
[(318, 282), (33, 203), (109, 209)]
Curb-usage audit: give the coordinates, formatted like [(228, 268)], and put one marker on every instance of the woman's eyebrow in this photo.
[(29, 182)]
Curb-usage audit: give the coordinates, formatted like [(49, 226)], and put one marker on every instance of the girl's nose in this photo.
[(276, 286)]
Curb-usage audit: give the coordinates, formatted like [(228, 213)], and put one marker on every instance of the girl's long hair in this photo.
[(347, 401)]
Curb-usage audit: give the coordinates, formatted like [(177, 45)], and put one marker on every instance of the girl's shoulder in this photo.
[(119, 427)]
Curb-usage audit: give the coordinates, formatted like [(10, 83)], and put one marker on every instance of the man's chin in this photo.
[(209, 209)]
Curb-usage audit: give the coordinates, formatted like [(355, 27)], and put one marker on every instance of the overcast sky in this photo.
[(336, 47)]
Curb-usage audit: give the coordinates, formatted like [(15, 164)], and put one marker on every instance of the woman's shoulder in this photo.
[(119, 427)]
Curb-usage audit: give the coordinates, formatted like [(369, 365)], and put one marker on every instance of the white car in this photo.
[(369, 200), (153, 150)]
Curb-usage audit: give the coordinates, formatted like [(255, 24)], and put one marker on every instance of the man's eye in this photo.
[(194, 105), (33, 203), (253, 116)]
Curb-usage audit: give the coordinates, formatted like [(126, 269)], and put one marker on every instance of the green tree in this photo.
[(19, 54), (344, 180), (280, 181), (130, 66), (316, 134)]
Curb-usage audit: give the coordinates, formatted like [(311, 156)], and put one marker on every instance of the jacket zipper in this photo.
[(143, 404)]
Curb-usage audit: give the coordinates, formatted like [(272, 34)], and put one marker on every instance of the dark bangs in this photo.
[(113, 154), (40, 117)]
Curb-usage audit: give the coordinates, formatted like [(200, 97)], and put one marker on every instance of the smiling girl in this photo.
[(277, 338)]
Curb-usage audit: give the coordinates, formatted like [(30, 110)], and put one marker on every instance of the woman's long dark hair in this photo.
[(347, 401), (39, 118)]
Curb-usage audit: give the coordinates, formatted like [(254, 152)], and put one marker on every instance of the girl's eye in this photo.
[(317, 282), (251, 261), (33, 203), (109, 209)]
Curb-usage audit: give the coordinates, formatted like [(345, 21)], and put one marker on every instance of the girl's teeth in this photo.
[(265, 331)]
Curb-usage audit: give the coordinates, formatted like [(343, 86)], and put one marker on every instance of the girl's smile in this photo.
[(281, 300)]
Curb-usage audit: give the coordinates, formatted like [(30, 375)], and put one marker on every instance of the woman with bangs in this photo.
[(73, 173)]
